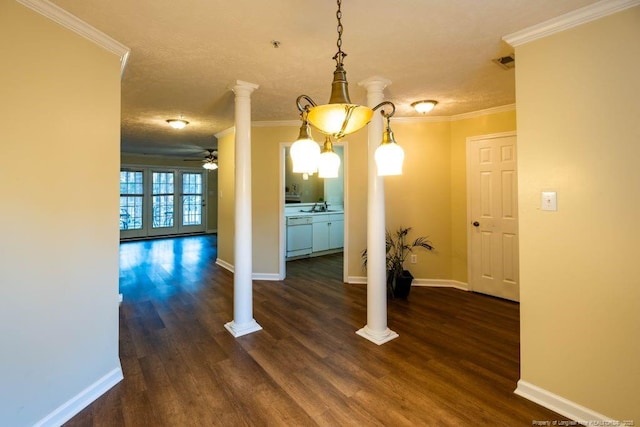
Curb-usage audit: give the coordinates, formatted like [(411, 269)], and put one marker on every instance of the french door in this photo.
[(160, 202)]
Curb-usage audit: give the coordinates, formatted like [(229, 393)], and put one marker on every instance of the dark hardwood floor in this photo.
[(456, 361)]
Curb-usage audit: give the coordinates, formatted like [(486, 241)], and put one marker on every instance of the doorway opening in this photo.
[(313, 212)]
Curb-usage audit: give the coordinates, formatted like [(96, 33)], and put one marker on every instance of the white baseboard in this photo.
[(266, 276), (436, 283), (418, 282), (83, 399), (224, 264), (561, 405), (254, 276)]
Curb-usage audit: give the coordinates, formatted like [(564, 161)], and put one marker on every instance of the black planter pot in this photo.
[(403, 285)]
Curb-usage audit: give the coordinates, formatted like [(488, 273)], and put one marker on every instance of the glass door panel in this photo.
[(162, 203), (192, 201), (131, 203)]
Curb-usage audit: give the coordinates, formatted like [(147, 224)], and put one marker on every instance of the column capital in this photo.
[(242, 88), (374, 83)]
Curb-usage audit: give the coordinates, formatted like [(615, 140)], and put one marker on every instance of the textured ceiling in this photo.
[(186, 54)]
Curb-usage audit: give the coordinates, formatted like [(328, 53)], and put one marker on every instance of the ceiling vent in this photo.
[(507, 62)]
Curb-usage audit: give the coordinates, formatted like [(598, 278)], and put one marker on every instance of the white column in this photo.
[(376, 329), (243, 322)]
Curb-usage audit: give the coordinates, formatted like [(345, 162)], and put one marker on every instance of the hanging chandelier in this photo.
[(338, 118)]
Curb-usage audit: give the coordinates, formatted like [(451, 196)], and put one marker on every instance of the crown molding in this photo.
[(422, 119), (78, 26), (493, 110), (425, 119), (225, 132), (569, 20), (274, 123)]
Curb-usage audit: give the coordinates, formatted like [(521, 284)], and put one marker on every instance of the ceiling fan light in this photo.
[(424, 106), (305, 152), (210, 166), (177, 123), (329, 161), (389, 155)]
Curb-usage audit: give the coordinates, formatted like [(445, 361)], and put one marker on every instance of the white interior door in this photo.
[(493, 215)]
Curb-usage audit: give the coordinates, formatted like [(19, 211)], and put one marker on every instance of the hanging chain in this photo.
[(339, 56)]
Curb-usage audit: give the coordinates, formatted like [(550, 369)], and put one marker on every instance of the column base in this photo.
[(244, 329), (377, 337)]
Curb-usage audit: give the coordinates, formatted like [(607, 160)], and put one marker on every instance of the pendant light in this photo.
[(329, 161), (305, 151), (389, 155), (339, 117)]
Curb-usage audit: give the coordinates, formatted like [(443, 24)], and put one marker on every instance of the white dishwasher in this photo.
[(299, 235)]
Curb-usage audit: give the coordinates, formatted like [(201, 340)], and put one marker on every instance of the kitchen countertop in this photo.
[(302, 209), (329, 212)]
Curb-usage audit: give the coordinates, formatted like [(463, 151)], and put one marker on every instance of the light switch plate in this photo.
[(549, 201)]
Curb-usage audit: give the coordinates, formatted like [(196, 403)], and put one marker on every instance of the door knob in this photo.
[(476, 224)]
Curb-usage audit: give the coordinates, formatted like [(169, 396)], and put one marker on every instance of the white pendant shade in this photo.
[(304, 155), (329, 165), (389, 159)]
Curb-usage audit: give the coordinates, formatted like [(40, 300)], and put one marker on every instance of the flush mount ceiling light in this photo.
[(339, 117), (424, 106), (177, 123)]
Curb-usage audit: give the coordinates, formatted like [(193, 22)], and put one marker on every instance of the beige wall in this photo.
[(211, 180), (226, 198), (430, 196), (578, 97), (59, 163), (421, 197), (461, 130)]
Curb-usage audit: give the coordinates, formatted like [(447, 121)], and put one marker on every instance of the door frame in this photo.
[(283, 220), (147, 230), (469, 229)]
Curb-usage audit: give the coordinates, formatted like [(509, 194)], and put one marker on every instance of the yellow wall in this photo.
[(211, 178), (226, 197), (460, 131), (421, 197), (430, 196), (578, 97), (59, 167)]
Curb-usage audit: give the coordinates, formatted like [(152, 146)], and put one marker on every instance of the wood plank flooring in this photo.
[(455, 363)]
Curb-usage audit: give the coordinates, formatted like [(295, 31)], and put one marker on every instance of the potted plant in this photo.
[(398, 249)]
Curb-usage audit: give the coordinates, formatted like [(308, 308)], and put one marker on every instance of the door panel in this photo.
[(192, 201), (493, 211)]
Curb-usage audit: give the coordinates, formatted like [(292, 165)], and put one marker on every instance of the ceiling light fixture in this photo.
[(210, 165), (177, 123), (339, 117), (424, 106)]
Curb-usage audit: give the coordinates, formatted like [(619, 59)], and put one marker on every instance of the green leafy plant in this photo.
[(398, 248)]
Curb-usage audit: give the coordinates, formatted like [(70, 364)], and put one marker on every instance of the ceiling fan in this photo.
[(210, 161)]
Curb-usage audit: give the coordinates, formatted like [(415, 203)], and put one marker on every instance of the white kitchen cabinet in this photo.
[(328, 232)]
